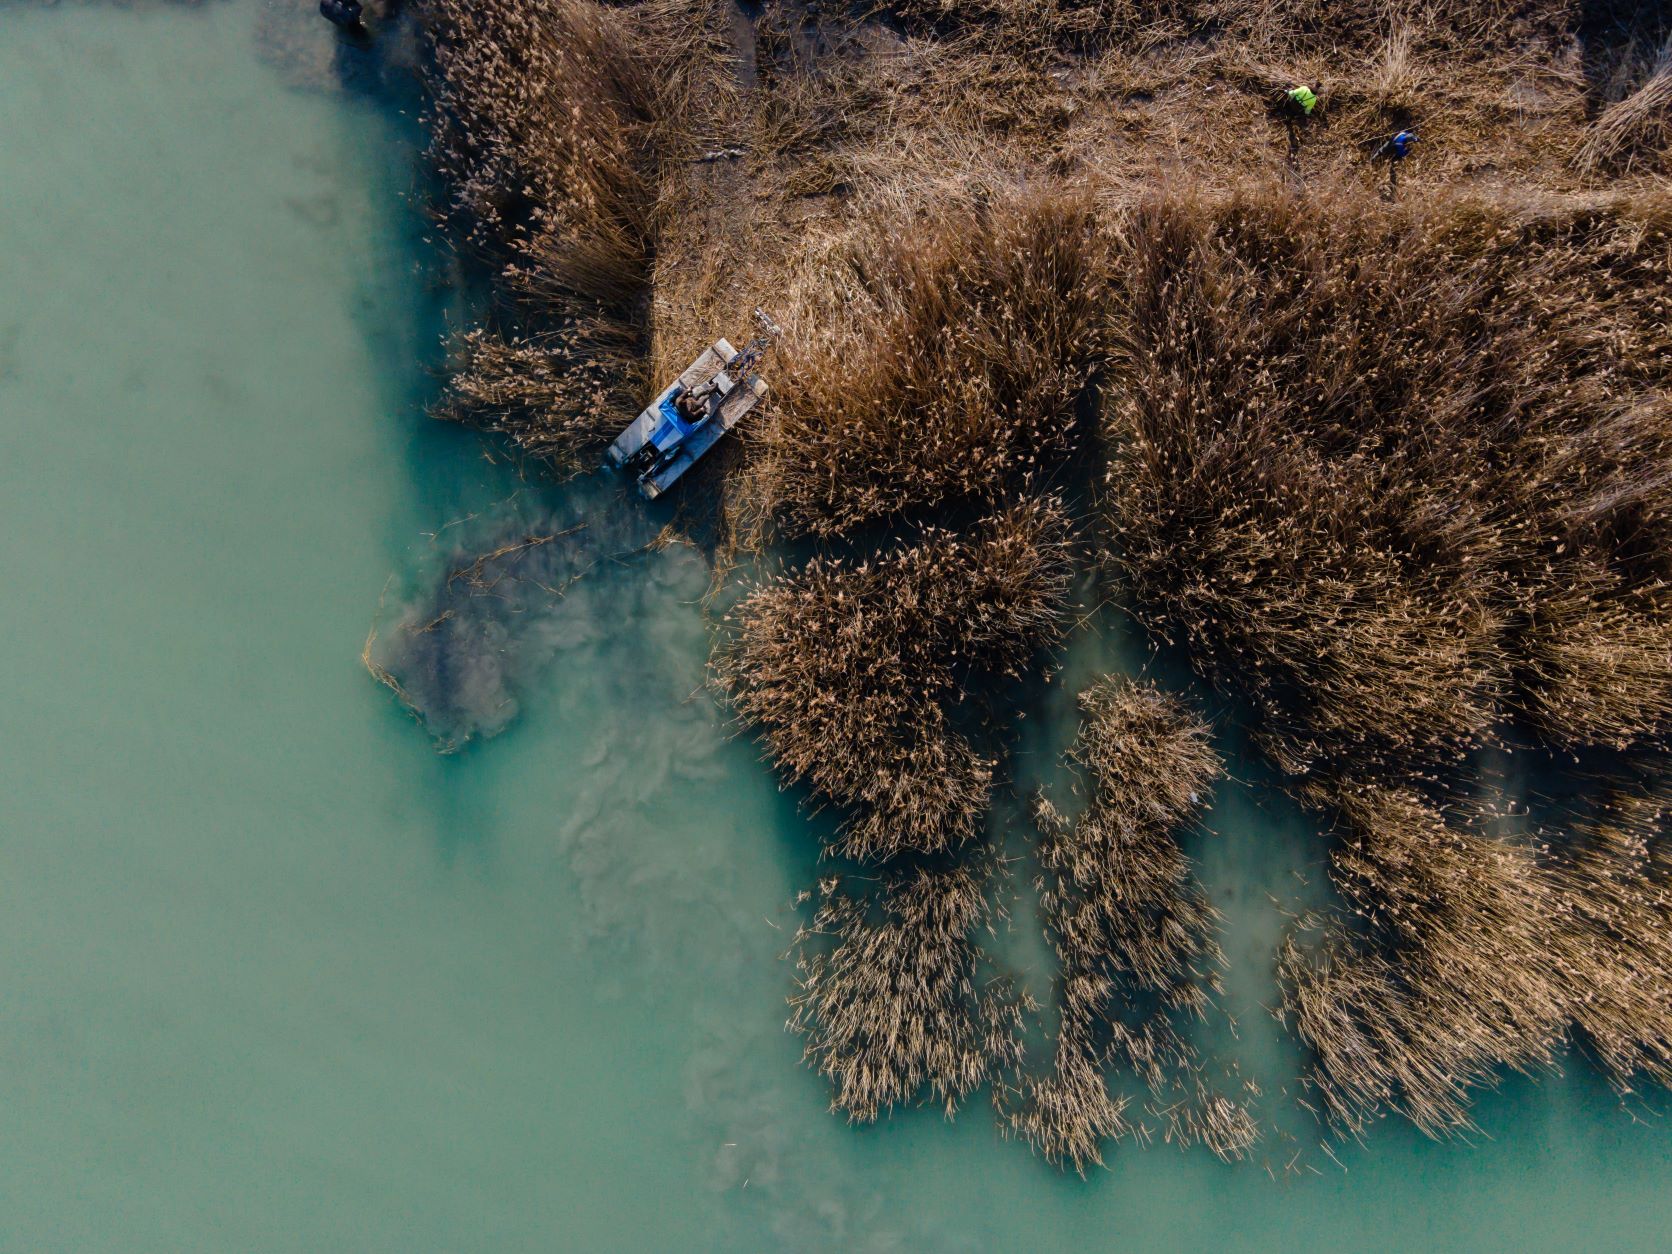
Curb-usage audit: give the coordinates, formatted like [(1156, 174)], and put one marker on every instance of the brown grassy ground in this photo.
[(1392, 467)]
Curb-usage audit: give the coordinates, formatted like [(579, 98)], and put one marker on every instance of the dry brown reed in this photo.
[(1359, 456), (1067, 1116), (1478, 952), (1635, 130), (542, 114), (893, 1008), (850, 670), (1133, 930), (1123, 895), (552, 126), (1597, 655), (1397, 475), (557, 398), (940, 359), (1413, 1023), (1121, 95), (1265, 23)]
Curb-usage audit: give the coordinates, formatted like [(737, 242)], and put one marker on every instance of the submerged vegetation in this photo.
[(1064, 300)]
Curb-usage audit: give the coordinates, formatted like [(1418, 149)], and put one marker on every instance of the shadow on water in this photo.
[(409, 287), (309, 52)]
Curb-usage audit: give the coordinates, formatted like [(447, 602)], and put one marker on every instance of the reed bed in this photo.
[(850, 671), (1133, 930), (893, 1009), (1399, 479), (1399, 476), (1447, 996), (553, 127), (939, 359), (1068, 1116), (1478, 953)]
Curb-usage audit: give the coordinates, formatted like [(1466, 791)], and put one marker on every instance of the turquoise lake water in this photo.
[(277, 976)]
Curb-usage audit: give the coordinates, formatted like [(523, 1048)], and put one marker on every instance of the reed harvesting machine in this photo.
[(688, 418)]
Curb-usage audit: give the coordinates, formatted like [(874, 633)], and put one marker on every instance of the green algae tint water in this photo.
[(275, 976)]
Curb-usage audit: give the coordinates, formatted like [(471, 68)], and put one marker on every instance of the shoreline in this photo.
[(1389, 470)]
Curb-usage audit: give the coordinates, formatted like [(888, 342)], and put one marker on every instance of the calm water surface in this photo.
[(278, 977)]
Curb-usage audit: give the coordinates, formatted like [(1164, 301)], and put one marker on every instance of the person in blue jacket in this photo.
[(1395, 149)]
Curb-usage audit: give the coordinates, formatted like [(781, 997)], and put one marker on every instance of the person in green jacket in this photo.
[(1298, 106), (1300, 102)]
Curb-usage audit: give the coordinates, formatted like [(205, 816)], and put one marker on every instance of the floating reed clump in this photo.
[(940, 356), (1359, 456), (1133, 930), (552, 123), (850, 670), (1476, 953), (893, 1007)]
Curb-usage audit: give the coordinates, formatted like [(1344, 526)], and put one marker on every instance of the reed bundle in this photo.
[(1480, 953), (850, 671)]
